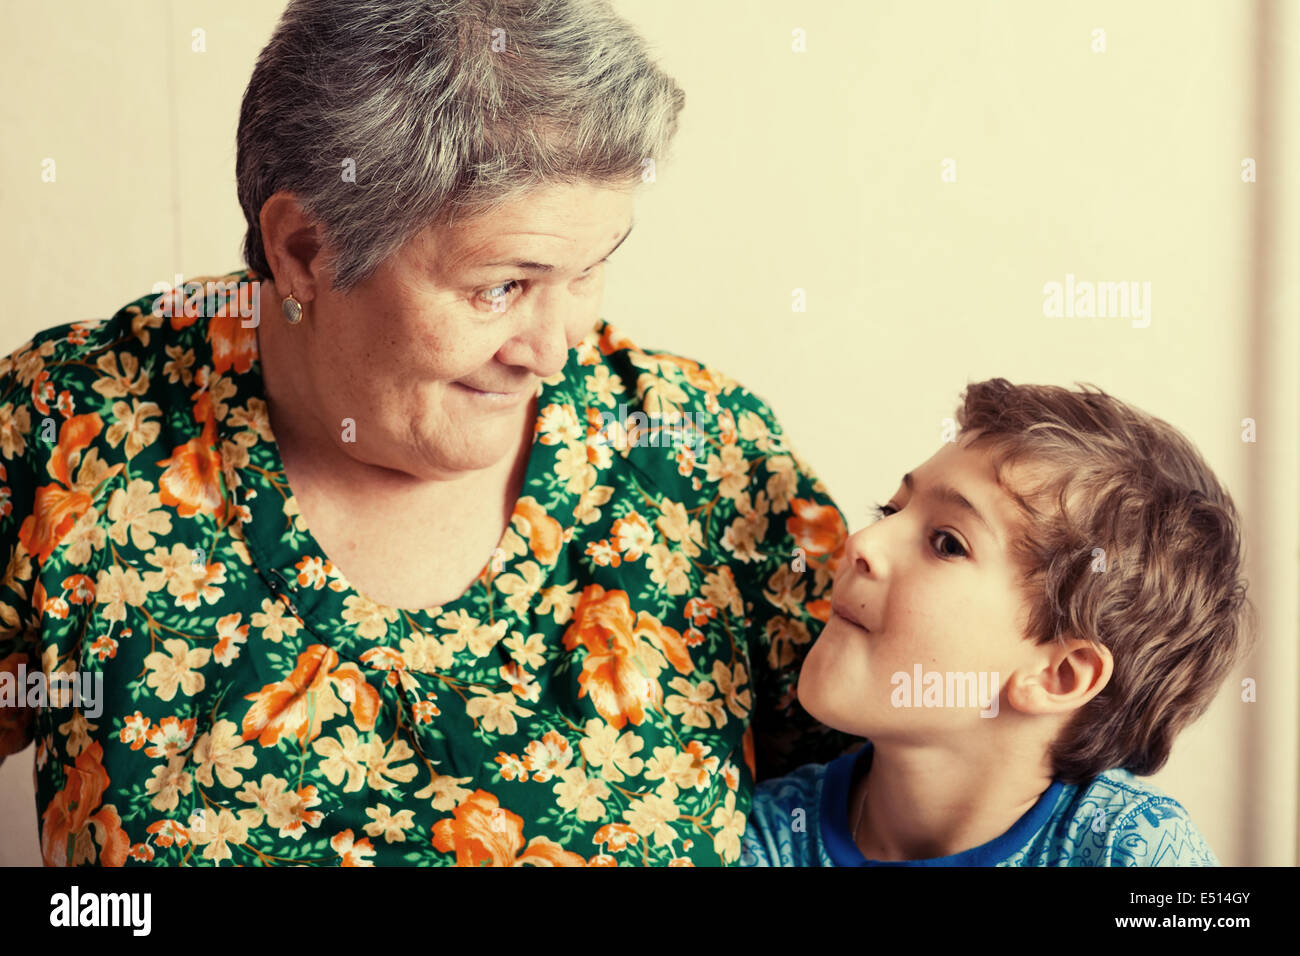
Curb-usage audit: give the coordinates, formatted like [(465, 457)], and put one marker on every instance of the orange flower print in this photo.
[(314, 693), (80, 588), (353, 853), (75, 829), (633, 536), (135, 730), (543, 532), (481, 833), (57, 507), (170, 737), (233, 346), (604, 554), (818, 529), (167, 832), (618, 836), (546, 757), (191, 483), (625, 655), (512, 768)]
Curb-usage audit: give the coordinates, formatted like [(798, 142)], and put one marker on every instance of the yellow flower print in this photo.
[(119, 384), (615, 754), (558, 425), (786, 590), (222, 750), (677, 526), (670, 569), (370, 619), (425, 654), (391, 826), (720, 590), (783, 484), (731, 824), (729, 683), (520, 587), (86, 537), (13, 426), (274, 622), (217, 831), (603, 386), (286, 810), (132, 423), (467, 630), (344, 757), (137, 510), (729, 469), (559, 601), (581, 794), (117, 587), (496, 711), (527, 651), (178, 369), (175, 669), (170, 781), (650, 815), (747, 531)]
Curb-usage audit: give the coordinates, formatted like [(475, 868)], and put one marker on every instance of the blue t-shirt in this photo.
[(801, 819)]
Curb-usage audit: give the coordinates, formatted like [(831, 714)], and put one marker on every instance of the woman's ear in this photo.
[(1067, 675), (292, 243)]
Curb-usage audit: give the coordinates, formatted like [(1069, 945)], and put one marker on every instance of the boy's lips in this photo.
[(839, 611)]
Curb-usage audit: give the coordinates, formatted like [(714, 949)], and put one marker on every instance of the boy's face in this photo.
[(931, 584)]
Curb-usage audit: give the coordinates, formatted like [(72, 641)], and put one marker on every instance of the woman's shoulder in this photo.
[(142, 352), (641, 397)]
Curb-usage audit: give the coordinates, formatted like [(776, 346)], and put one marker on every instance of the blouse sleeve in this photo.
[(797, 535), (18, 636)]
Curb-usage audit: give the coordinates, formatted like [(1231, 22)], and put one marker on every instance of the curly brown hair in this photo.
[(1128, 540)]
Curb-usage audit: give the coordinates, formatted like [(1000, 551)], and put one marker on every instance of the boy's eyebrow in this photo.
[(952, 496), (525, 265)]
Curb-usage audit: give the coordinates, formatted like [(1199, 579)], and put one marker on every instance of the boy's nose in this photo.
[(862, 553)]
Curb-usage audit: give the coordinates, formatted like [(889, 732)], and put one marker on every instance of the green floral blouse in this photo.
[(607, 692)]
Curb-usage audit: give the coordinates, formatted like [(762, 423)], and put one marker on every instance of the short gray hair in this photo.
[(445, 109)]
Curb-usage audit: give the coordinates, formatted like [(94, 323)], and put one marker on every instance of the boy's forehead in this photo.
[(970, 469)]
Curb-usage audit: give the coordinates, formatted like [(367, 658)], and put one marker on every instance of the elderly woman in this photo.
[(387, 549)]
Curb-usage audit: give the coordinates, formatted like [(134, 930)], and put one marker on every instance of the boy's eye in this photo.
[(949, 546)]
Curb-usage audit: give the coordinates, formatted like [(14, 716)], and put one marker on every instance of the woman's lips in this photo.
[(503, 398)]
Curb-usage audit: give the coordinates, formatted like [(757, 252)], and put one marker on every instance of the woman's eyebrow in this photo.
[(525, 265), (952, 496)]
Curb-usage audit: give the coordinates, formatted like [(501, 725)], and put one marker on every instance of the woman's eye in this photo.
[(497, 294), (883, 511), (949, 546)]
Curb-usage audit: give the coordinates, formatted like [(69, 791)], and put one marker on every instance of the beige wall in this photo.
[(819, 171)]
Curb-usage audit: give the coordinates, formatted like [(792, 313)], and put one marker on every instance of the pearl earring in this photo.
[(292, 309)]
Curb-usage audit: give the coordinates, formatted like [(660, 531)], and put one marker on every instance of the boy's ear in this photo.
[(1072, 672)]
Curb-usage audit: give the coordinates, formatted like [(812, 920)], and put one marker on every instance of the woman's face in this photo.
[(436, 357)]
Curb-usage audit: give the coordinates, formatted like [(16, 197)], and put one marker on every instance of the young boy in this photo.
[(1043, 605)]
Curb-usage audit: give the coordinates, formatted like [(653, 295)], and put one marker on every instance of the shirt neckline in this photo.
[(282, 551), (843, 849)]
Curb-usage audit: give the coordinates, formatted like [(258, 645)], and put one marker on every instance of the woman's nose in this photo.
[(542, 345)]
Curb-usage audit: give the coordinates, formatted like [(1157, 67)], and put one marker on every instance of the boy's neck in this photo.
[(934, 802)]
